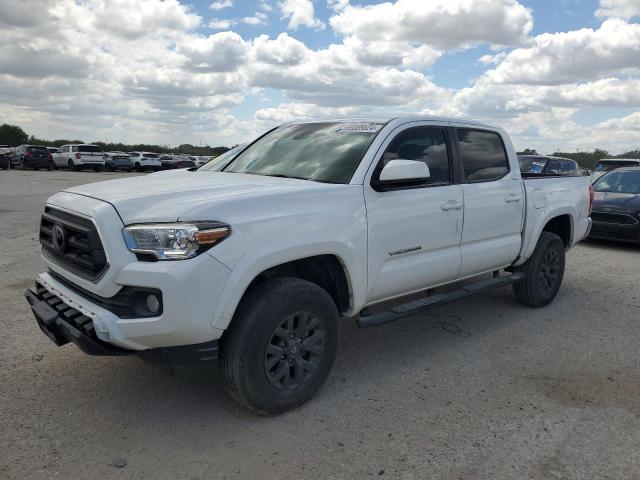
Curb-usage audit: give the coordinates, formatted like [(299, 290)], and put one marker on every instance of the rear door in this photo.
[(414, 232), (493, 202)]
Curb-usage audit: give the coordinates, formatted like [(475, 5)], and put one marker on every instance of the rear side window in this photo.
[(424, 144), (150, 155), (483, 155), (37, 149), (89, 148)]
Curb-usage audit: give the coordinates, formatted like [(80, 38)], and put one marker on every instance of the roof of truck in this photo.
[(396, 118)]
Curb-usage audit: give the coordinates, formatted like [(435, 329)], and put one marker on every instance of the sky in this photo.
[(556, 74)]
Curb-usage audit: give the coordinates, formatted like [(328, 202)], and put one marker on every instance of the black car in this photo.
[(34, 156), (5, 160), (548, 165), (616, 206)]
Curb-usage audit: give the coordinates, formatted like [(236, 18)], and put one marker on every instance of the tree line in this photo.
[(14, 136)]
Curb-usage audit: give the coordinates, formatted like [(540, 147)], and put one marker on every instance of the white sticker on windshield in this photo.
[(359, 127)]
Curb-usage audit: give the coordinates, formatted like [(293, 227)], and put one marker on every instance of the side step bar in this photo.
[(406, 309)]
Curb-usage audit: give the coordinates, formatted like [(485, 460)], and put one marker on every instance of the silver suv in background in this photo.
[(145, 161), (79, 156)]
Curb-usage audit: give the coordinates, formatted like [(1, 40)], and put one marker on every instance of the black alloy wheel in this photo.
[(294, 351)]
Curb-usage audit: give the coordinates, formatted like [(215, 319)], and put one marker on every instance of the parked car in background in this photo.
[(79, 156), (549, 165), (607, 164), (141, 161), (35, 157), (171, 162), (221, 161), (616, 206), (5, 157), (201, 160), (117, 161), (53, 150)]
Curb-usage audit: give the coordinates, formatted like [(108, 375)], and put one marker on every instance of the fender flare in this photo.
[(545, 216), (259, 259)]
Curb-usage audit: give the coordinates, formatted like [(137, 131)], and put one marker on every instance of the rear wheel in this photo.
[(72, 166), (138, 167), (543, 272), (281, 345)]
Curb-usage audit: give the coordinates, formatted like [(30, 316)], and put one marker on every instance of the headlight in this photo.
[(173, 241)]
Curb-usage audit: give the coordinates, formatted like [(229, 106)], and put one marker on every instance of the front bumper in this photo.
[(63, 324)]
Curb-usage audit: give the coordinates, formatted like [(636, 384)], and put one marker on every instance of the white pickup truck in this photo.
[(310, 223)]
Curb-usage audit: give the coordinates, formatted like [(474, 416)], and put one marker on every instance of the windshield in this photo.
[(532, 164), (607, 166), (619, 182), (37, 149), (219, 162), (89, 148), (323, 152)]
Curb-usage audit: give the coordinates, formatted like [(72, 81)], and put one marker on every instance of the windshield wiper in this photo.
[(281, 175)]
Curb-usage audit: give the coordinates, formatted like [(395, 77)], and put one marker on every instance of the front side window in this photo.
[(483, 155), (323, 152), (422, 144)]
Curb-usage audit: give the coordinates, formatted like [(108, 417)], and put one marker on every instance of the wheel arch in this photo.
[(560, 222), (329, 268)]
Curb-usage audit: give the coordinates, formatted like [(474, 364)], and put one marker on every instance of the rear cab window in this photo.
[(484, 157), (89, 148)]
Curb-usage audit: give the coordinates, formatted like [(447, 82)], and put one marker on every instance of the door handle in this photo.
[(515, 198), (451, 205)]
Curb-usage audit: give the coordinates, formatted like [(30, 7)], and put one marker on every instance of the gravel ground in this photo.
[(484, 388)]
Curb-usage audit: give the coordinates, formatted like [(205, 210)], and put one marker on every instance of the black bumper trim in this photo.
[(63, 324)]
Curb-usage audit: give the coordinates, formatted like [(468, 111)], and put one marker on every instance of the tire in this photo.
[(543, 272), (109, 167), (261, 363), (96, 168), (72, 166), (138, 167)]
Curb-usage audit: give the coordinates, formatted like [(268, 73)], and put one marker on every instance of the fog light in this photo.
[(153, 304)]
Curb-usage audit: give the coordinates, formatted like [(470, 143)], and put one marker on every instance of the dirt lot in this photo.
[(480, 389)]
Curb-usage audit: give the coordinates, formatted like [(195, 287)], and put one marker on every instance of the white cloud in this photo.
[(221, 4), (300, 13), (258, 18), (284, 50), (221, 52), (625, 9), (441, 24), (220, 24), (557, 58)]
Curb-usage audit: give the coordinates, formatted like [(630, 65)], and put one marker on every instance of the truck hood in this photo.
[(185, 195)]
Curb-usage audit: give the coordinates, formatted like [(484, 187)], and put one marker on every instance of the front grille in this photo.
[(73, 242), (614, 218)]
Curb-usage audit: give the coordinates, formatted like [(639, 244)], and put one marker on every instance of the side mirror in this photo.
[(402, 173)]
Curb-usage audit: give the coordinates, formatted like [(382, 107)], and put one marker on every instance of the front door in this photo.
[(414, 232)]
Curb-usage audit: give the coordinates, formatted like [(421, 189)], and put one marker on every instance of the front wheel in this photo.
[(72, 166), (543, 272), (281, 345)]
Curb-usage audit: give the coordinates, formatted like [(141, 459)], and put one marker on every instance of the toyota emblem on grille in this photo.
[(59, 238)]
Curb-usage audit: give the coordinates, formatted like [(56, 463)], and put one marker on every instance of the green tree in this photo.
[(528, 151), (12, 135)]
